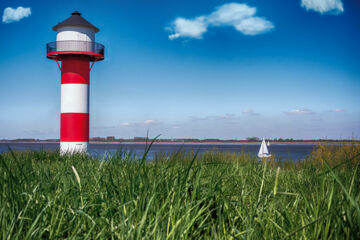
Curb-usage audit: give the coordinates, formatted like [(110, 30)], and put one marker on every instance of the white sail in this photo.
[(263, 151), (268, 143)]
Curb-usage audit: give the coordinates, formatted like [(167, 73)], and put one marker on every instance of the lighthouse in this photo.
[(75, 52)]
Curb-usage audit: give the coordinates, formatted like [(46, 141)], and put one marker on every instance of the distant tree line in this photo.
[(193, 140)]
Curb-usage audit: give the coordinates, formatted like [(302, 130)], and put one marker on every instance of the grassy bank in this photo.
[(180, 196)]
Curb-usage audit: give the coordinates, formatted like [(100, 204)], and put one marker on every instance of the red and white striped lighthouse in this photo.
[(75, 48)]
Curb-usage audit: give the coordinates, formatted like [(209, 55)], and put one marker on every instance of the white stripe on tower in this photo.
[(74, 98), (71, 147)]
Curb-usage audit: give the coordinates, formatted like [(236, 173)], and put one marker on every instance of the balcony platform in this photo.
[(55, 50)]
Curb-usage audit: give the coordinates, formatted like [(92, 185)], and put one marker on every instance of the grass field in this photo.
[(180, 196)]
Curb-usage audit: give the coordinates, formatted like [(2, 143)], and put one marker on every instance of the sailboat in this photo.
[(263, 151), (268, 144)]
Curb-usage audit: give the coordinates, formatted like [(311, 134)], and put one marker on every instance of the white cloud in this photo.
[(189, 28), (214, 117), (149, 122), (250, 112), (15, 15), (240, 16), (337, 110), (253, 26), (139, 123), (225, 117), (300, 112), (231, 13), (323, 6)]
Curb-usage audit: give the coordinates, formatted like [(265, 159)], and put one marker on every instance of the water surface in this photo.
[(294, 151)]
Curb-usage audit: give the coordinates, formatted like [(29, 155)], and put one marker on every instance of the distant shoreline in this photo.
[(186, 142)]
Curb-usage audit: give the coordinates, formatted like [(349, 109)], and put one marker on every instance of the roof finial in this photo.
[(76, 13)]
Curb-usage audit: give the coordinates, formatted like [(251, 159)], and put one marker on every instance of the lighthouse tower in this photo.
[(75, 48)]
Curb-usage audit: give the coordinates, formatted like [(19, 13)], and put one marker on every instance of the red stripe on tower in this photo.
[(75, 69), (74, 127)]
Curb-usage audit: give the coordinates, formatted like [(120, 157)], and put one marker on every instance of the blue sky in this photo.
[(202, 69)]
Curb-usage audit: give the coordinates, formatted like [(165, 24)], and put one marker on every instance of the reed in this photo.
[(179, 196)]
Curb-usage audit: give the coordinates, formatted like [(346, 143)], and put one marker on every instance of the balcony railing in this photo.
[(74, 46)]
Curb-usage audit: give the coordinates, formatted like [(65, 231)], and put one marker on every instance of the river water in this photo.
[(293, 151)]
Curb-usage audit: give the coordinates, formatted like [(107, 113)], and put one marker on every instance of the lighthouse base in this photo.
[(73, 147)]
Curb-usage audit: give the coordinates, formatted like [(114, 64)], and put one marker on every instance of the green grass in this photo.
[(177, 196)]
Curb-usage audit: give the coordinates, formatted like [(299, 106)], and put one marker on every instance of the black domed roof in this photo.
[(75, 20)]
